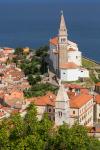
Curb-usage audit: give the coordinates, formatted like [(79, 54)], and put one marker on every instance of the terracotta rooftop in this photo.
[(48, 99), (71, 49), (84, 91), (71, 94), (80, 100), (1, 114), (69, 65), (97, 99), (73, 86), (13, 98), (7, 48), (54, 41), (98, 84)]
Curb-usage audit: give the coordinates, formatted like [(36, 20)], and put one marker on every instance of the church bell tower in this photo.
[(62, 41)]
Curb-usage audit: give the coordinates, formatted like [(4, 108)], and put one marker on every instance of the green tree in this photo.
[(45, 127), (34, 142), (19, 51), (18, 130), (42, 51), (31, 121), (4, 135)]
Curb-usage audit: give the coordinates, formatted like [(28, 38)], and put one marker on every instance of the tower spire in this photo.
[(63, 29), (62, 109), (63, 41)]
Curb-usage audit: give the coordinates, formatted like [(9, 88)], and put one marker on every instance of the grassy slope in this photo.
[(90, 65)]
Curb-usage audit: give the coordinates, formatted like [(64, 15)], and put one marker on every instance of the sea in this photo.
[(33, 22)]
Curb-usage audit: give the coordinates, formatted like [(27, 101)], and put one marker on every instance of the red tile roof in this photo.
[(48, 99), (84, 91), (98, 84), (69, 65), (12, 99), (71, 49), (73, 86), (97, 99), (7, 48), (1, 114), (79, 100), (54, 41), (71, 94)]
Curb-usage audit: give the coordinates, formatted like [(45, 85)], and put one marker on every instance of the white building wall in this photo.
[(73, 116), (83, 73), (45, 109), (69, 74), (73, 74), (40, 111), (75, 56), (97, 113), (84, 115)]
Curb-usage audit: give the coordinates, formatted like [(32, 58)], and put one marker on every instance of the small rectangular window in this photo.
[(74, 112), (60, 114), (49, 110)]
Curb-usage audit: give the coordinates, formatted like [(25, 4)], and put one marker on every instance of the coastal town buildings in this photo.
[(69, 106), (65, 57), (6, 53), (78, 106), (72, 103), (45, 104)]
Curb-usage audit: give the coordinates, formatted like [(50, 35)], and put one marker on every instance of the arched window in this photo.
[(63, 39), (60, 114)]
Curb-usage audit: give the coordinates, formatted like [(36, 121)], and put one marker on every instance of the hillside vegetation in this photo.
[(28, 133), (94, 69)]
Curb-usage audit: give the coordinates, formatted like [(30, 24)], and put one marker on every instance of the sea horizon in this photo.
[(33, 23)]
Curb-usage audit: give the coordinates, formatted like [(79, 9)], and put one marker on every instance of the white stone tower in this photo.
[(62, 110), (62, 41)]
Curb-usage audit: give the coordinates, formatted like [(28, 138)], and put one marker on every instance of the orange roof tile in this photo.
[(98, 84), (84, 90), (7, 48), (79, 100), (71, 94), (71, 49), (73, 86), (54, 41), (97, 99), (48, 99), (1, 114), (69, 65), (12, 99)]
